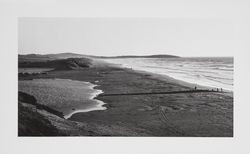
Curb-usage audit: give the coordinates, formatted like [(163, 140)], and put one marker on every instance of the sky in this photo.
[(187, 37)]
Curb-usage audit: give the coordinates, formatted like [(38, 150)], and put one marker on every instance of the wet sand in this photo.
[(183, 114), (64, 95)]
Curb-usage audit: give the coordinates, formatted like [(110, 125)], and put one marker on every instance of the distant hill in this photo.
[(67, 55), (147, 56), (33, 57), (39, 57)]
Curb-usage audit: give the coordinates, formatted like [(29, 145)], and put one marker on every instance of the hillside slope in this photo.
[(58, 64)]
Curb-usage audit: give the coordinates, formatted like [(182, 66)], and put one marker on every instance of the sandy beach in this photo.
[(183, 114)]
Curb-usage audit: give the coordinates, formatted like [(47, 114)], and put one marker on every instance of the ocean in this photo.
[(216, 72)]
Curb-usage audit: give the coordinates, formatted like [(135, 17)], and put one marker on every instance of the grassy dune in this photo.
[(59, 64)]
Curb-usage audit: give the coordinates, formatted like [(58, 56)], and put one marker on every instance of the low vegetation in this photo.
[(31, 122), (58, 64)]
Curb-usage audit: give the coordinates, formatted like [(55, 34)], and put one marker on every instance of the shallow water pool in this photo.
[(64, 95)]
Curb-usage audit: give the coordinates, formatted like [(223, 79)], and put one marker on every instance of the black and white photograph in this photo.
[(124, 76)]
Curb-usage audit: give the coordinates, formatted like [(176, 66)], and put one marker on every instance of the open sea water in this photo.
[(214, 72)]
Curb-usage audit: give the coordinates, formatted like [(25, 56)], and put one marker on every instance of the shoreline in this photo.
[(100, 106), (184, 114), (183, 83), (162, 76), (90, 97)]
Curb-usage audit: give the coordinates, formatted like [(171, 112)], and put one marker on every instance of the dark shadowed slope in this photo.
[(30, 121)]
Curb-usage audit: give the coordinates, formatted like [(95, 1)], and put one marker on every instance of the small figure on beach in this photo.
[(217, 89), (221, 89), (195, 88)]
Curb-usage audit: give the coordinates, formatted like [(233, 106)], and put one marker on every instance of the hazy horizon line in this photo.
[(117, 55)]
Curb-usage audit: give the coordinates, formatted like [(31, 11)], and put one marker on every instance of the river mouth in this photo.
[(64, 95)]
